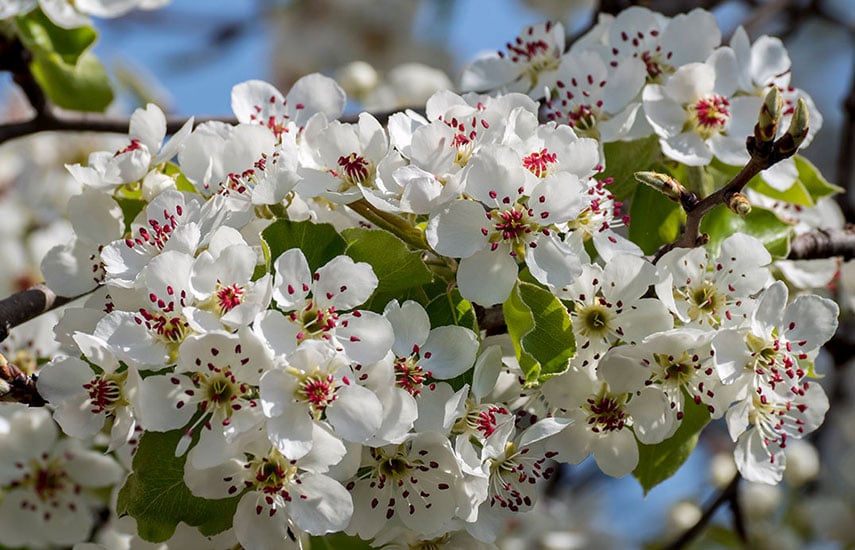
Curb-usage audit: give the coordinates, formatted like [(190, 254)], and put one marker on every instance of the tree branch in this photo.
[(729, 495), (25, 305), (18, 387), (824, 243)]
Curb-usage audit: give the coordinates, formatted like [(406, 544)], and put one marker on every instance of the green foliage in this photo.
[(80, 87), (654, 219), (319, 242), (42, 37), (450, 308), (130, 209), (338, 541), (396, 266), (624, 158), (70, 75), (156, 497), (761, 223), (806, 191), (542, 333), (656, 463)]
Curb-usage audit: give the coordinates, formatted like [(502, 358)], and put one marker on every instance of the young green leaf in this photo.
[(656, 463), (319, 242), (761, 223), (42, 37), (625, 158), (83, 86), (540, 328), (654, 219), (157, 498), (396, 266)]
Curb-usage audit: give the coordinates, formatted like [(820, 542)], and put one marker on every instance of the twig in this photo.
[(18, 387), (730, 495), (824, 243), (25, 305)]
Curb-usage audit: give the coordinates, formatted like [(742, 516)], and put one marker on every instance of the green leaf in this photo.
[(396, 266), (83, 86), (181, 182), (656, 463), (319, 242), (813, 180), (450, 308), (42, 37), (654, 219), (541, 331), (624, 158), (130, 209), (155, 495), (761, 223)]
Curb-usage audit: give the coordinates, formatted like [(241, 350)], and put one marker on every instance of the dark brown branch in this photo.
[(728, 495), (18, 387), (824, 243), (25, 305)]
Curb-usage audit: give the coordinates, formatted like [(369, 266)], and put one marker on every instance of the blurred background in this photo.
[(390, 54)]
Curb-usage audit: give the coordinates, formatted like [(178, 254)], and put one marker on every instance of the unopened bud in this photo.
[(663, 183), (797, 132), (770, 114), (739, 204)]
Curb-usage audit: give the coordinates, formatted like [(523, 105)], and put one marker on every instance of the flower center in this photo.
[(355, 169), (594, 321), (708, 116), (316, 390), (657, 65), (133, 146), (538, 163), (228, 297), (706, 302), (606, 412), (106, 392), (513, 226), (316, 323), (409, 375)]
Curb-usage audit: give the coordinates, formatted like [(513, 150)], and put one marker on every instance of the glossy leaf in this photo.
[(157, 498), (761, 223), (396, 266), (541, 331), (624, 158), (654, 219), (42, 37), (656, 463), (83, 86), (319, 242), (450, 308)]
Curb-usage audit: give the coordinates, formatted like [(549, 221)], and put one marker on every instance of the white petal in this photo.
[(487, 277), (451, 351)]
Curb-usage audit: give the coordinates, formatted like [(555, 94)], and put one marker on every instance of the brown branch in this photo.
[(824, 243), (16, 386), (25, 305), (728, 495)]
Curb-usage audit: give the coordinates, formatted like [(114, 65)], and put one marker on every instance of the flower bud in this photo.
[(663, 183), (739, 204), (797, 132), (357, 78), (770, 114), (802, 463)]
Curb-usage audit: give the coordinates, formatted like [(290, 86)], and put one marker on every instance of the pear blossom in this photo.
[(413, 483), (106, 171), (770, 358), (662, 44), (315, 384), (592, 99), (608, 307), (713, 292), (169, 222), (527, 67), (217, 375), (599, 222), (281, 499), (84, 400), (520, 225), (313, 303), (604, 422), (696, 114), (47, 483)]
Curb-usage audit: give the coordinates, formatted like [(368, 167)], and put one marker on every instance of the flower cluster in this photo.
[(238, 298)]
